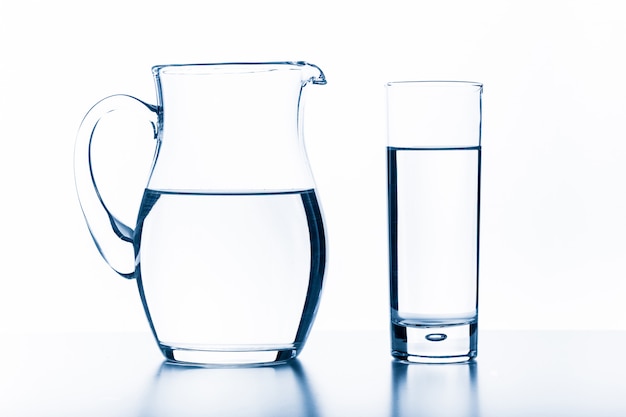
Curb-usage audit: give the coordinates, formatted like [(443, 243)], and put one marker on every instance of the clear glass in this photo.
[(434, 156), (228, 246)]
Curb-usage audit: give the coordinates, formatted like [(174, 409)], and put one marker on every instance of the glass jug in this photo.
[(228, 249)]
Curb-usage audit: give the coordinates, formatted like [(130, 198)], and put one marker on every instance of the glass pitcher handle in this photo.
[(112, 237)]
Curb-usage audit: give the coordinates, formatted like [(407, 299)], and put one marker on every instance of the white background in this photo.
[(554, 161)]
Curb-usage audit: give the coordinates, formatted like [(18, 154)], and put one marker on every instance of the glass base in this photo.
[(220, 358), (434, 344)]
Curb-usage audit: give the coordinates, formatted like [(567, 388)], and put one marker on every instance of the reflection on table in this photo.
[(259, 391), (338, 374)]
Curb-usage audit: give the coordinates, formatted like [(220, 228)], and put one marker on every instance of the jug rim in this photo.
[(239, 67)]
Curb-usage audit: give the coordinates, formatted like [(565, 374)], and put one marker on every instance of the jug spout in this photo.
[(311, 73)]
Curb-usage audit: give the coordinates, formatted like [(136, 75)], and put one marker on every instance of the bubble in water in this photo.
[(436, 337)]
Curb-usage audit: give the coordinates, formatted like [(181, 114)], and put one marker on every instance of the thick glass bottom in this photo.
[(434, 344), (219, 358)]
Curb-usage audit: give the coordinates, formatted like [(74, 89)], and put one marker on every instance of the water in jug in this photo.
[(228, 248)]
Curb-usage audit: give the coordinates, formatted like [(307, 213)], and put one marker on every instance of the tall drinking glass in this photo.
[(433, 161)]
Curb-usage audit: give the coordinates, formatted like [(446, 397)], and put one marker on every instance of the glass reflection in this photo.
[(240, 391), (434, 390)]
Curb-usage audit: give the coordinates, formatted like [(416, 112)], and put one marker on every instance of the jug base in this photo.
[(220, 358)]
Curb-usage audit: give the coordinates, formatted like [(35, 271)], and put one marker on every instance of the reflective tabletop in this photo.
[(517, 373)]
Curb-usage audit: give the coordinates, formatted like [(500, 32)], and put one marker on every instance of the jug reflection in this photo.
[(260, 391), (228, 247), (434, 390)]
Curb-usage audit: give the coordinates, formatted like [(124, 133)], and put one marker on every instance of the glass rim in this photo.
[(435, 83)]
